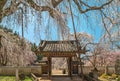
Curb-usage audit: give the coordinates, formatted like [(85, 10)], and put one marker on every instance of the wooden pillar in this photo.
[(70, 66), (49, 67)]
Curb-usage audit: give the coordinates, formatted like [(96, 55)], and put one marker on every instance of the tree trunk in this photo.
[(95, 73), (17, 74), (106, 69)]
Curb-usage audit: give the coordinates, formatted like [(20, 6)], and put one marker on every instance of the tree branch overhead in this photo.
[(90, 7)]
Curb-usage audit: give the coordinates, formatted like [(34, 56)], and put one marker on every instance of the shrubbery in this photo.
[(9, 30), (91, 74), (118, 79), (111, 77), (104, 76), (114, 76)]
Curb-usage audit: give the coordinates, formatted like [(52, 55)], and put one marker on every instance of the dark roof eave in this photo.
[(52, 52)]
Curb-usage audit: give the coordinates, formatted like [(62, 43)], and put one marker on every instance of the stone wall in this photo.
[(101, 69), (9, 70)]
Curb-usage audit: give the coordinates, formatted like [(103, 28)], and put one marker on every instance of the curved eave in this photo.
[(60, 53)]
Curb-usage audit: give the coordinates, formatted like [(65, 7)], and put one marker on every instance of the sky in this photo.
[(91, 25), (95, 30)]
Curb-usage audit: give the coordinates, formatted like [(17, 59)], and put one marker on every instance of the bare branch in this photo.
[(55, 3), (107, 17), (40, 8), (2, 3), (13, 7), (106, 27), (90, 8), (84, 3)]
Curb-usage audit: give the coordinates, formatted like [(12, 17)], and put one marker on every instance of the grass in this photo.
[(112, 77), (12, 78), (27, 79)]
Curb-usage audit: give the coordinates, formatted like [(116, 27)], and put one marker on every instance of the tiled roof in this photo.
[(58, 46)]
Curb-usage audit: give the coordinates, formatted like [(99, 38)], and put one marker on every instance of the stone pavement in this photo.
[(60, 79)]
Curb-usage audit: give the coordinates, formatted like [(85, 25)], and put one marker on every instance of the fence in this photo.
[(9, 70)]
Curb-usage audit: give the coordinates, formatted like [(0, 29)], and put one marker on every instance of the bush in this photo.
[(16, 34), (1, 27), (22, 77), (91, 74), (39, 57), (118, 78), (104, 76), (114, 76)]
